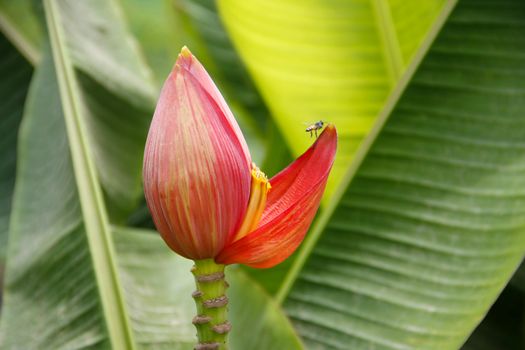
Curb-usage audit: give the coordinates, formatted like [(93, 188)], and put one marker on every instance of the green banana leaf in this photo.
[(428, 225), (71, 282), (154, 27), (117, 93), (19, 22), (117, 88), (16, 74), (334, 61)]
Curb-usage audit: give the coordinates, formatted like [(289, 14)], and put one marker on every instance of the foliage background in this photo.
[(422, 224)]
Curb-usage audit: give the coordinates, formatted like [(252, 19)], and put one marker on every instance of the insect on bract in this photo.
[(313, 128)]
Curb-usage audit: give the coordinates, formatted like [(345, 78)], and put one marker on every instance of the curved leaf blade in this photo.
[(431, 225), (48, 248), (16, 74), (19, 23), (160, 43), (116, 92), (89, 191), (116, 85), (258, 320)]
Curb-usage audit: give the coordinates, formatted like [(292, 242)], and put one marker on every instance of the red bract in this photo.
[(206, 197)]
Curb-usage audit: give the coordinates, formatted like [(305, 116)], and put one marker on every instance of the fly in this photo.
[(314, 128)]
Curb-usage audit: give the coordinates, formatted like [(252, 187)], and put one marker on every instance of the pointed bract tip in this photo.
[(330, 126), (330, 129), (185, 52), (185, 58)]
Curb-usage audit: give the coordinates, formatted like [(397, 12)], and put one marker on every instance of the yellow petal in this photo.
[(258, 194)]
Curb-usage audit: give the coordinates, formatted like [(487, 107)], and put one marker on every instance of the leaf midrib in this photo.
[(91, 199)]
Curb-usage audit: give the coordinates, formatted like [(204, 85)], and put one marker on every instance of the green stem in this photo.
[(210, 297)]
